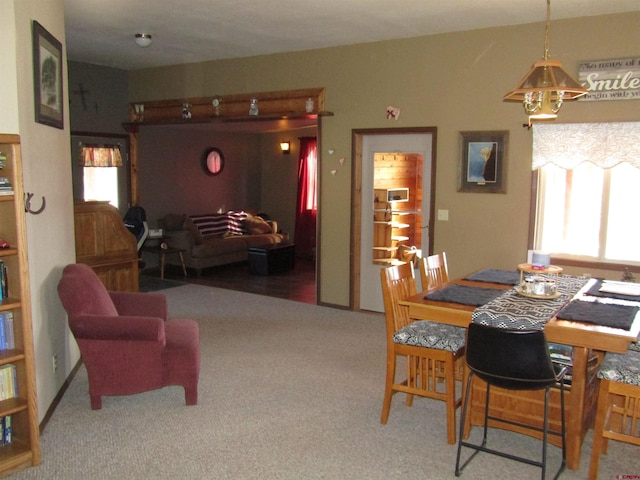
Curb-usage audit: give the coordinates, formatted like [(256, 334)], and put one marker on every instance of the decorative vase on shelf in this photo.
[(253, 107)]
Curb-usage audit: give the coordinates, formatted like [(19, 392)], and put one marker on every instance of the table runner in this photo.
[(465, 295), (491, 275), (512, 310)]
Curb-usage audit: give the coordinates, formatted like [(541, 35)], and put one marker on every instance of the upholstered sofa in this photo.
[(216, 239)]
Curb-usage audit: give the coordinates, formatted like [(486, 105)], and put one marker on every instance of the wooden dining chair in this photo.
[(433, 270), (618, 411), (433, 351)]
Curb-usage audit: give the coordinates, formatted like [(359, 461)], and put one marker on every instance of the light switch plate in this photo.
[(443, 215)]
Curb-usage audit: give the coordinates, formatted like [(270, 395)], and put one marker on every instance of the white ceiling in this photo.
[(185, 31)]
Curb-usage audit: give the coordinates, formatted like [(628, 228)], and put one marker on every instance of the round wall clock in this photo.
[(213, 161)]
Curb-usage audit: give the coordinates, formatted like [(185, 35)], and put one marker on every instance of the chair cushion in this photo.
[(431, 335), (621, 368)]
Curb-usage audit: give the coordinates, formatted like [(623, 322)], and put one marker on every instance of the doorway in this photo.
[(399, 199)]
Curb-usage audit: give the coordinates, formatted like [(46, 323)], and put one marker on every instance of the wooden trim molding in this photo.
[(229, 107)]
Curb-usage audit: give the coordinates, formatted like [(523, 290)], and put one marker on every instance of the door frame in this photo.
[(357, 137)]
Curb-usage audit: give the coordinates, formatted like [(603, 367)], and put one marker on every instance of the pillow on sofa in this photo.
[(174, 221), (193, 230), (257, 226)]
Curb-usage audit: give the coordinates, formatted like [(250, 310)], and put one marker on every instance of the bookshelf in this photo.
[(21, 410)]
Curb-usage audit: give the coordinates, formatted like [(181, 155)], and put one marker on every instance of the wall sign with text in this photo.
[(611, 79)]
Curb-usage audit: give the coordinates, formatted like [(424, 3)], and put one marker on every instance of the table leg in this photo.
[(162, 255), (581, 405)]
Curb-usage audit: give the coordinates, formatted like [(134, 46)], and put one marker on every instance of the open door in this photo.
[(393, 211)]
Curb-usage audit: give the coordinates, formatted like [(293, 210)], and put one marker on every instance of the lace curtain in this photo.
[(570, 144)]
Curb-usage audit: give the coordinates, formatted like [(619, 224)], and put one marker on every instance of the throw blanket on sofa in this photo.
[(219, 224)]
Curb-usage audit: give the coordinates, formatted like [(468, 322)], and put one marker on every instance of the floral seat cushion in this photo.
[(621, 368), (431, 335)]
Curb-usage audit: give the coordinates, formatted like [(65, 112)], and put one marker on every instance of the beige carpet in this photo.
[(287, 391)]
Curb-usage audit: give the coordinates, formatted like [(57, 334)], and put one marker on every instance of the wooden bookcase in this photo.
[(24, 450)]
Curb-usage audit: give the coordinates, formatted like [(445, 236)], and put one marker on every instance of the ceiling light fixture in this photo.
[(546, 86), (143, 39)]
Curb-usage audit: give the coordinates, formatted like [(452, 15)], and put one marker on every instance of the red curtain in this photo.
[(305, 230)]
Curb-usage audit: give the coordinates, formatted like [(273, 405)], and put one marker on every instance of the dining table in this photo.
[(581, 323)]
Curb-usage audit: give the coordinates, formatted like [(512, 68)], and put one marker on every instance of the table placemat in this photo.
[(604, 314), (464, 295), (594, 291), (513, 310), (491, 275)]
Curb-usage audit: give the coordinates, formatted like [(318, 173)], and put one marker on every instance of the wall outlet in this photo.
[(55, 363)]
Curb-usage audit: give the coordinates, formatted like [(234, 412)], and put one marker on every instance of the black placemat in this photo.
[(594, 291), (605, 314), (490, 275), (464, 295)]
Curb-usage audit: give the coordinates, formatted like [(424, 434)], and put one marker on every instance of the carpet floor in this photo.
[(288, 391)]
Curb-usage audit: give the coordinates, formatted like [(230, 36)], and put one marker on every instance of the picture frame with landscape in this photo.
[(483, 161), (47, 77)]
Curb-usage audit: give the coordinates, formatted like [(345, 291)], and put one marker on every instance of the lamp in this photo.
[(143, 39), (285, 147), (546, 86)]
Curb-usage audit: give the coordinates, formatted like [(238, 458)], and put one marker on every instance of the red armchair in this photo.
[(127, 343)]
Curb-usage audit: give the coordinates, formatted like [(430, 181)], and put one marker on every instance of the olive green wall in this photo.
[(454, 82)]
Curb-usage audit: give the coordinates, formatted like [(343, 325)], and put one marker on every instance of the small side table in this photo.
[(162, 253)]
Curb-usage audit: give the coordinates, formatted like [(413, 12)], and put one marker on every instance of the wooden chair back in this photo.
[(434, 271), (398, 283)]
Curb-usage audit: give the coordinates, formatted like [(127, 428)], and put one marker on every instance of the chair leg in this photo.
[(388, 388), (191, 395), (597, 447), (451, 400), (545, 428), (463, 416), (96, 402)]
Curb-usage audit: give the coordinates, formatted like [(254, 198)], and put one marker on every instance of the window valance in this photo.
[(100, 156), (570, 144)]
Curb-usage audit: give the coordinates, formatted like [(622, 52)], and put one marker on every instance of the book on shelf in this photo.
[(8, 330), (7, 432), (8, 384), (4, 282), (3, 334), (7, 334)]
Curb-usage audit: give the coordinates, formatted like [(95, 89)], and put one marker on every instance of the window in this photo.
[(100, 172), (587, 191), (101, 183)]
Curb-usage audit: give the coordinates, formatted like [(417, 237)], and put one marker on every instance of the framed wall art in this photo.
[(47, 77), (483, 162)]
